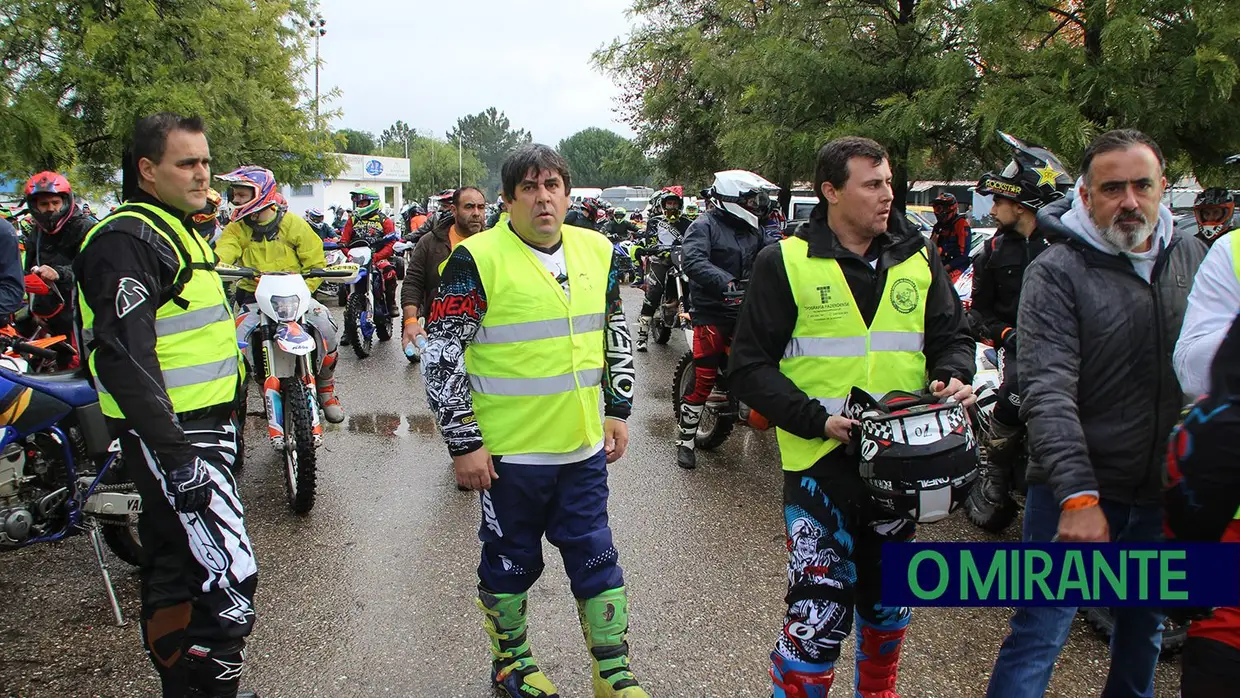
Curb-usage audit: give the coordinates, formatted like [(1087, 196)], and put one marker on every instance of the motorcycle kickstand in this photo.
[(103, 568)]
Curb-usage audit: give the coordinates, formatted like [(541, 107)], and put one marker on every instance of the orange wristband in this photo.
[(1081, 501), (408, 321)]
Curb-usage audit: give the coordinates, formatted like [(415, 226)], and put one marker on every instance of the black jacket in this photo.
[(1099, 391), (718, 250), (580, 220), (769, 315), (12, 276), (60, 249), (997, 274), (618, 231), (439, 220), (422, 280)]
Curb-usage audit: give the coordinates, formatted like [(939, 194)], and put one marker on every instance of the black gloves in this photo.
[(189, 486)]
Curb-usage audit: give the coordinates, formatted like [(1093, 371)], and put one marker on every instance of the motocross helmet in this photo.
[(314, 215), (52, 183), (366, 201), (618, 213), (1213, 210), (945, 207), (258, 179), (636, 217), (691, 211), (1034, 178), (671, 198), (744, 195), (206, 216), (918, 456), (591, 209)]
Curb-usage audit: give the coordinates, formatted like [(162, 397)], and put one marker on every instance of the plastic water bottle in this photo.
[(418, 345)]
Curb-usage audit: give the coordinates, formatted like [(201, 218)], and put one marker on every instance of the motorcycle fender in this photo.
[(113, 504), (293, 339)]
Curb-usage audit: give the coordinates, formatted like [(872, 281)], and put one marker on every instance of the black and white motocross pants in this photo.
[(199, 575)]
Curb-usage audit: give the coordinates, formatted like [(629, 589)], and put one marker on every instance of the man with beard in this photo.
[(469, 207), (1100, 309), (1034, 178)]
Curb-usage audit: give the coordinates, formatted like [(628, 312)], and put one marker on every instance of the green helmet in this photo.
[(619, 213), (365, 201)]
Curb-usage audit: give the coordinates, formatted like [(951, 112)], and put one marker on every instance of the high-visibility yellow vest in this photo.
[(536, 364), (196, 336), (832, 350)]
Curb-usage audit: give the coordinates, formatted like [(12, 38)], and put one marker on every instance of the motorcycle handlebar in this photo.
[(25, 348), (227, 271)]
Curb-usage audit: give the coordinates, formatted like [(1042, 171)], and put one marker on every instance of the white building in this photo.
[(383, 174)]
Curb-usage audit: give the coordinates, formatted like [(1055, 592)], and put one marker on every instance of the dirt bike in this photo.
[(722, 412), (366, 312), (668, 317), (283, 357), (61, 474)]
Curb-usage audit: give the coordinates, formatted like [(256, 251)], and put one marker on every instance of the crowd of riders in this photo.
[(833, 328)]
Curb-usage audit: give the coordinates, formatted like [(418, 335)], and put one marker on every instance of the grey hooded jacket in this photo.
[(1100, 396)]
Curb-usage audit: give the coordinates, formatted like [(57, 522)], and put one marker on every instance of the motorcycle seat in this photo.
[(71, 387)]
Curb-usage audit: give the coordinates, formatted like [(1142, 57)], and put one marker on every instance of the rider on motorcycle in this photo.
[(206, 220), (1033, 179), (262, 235), (952, 234), (54, 234), (1213, 209), (671, 222), (584, 215), (719, 251), (619, 227), (369, 223), (320, 227)]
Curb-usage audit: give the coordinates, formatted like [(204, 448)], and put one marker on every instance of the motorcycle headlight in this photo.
[(288, 308)]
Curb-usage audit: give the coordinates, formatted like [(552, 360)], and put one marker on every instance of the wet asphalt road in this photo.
[(372, 593)]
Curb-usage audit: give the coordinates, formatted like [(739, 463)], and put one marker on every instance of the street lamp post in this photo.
[(318, 27)]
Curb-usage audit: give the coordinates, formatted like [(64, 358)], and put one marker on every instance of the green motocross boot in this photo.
[(605, 622), (513, 670)]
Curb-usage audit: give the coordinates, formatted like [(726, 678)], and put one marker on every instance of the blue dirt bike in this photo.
[(61, 474), (366, 312)]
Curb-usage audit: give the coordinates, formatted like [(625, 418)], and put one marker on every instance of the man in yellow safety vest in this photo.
[(856, 298), (162, 349), (526, 334)]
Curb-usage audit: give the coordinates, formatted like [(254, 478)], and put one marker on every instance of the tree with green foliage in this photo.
[(357, 142), (1060, 73), (489, 134), (76, 75), (397, 134), (601, 158), (759, 86)]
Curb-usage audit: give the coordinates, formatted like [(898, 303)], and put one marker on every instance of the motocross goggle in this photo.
[(756, 201)]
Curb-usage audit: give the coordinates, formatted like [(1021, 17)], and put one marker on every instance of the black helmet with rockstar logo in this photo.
[(1034, 178)]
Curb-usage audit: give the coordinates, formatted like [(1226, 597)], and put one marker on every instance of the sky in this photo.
[(429, 63)]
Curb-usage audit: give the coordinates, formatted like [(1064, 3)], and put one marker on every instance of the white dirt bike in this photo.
[(282, 354)]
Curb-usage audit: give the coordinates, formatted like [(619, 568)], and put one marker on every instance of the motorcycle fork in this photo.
[(312, 394), (273, 401)]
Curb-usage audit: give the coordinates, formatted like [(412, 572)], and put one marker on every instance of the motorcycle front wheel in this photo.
[(353, 311), (714, 427), (299, 452)]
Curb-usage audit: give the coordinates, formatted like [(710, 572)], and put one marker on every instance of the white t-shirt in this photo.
[(555, 264)]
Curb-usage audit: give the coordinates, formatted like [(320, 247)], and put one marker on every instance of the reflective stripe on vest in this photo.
[(832, 350), (196, 341), (535, 366)]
